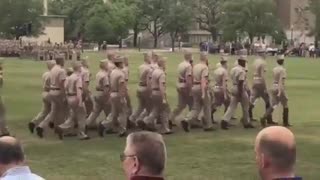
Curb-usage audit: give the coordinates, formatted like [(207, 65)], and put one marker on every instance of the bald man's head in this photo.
[(11, 151), (275, 150)]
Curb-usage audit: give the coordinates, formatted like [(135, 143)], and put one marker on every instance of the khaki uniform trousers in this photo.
[(129, 106), (219, 98), (184, 100), (235, 99), (118, 116), (58, 109), (259, 90), (144, 105), (275, 99), (88, 102), (77, 116), (159, 109), (46, 108), (3, 124), (101, 103), (199, 105)]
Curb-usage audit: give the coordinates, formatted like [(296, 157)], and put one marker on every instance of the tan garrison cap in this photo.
[(224, 59), (280, 57), (243, 57)]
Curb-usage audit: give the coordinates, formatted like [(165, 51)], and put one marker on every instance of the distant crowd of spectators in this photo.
[(145, 156)]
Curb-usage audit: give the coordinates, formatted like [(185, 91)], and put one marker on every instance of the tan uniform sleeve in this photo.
[(162, 80), (105, 81), (79, 83), (86, 77), (188, 72), (242, 76), (205, 73), (62, 75)]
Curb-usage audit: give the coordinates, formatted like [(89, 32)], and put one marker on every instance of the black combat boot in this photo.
[(286, 117), (31, 127), (267, 115), (212, 116), (224, 125), (185, 126), (250, 112)]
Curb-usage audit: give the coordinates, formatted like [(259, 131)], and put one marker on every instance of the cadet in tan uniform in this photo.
[(184, 86), (200, 94), (259, 87), (86, 75), (143, 92), (46, 107), (74, 93), (278, 94), (101, 99), (57, 97), (118, 114), (78, 50), (126, 73), (220, 89), (160, 106), (239, 95), (3, 122)]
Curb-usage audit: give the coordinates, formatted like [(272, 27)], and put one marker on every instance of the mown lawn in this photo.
[(218, 155)]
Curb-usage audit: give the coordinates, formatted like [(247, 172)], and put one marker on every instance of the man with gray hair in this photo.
[(144, 157), (275, 150)]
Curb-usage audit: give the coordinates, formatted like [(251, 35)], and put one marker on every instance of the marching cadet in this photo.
[(57, 97), (70, 50), (3, 124), (220, 89), (46, 107), (101, 99), (143, 92), (125, 70), (86, 75), (111, 66), (160, 106), (200, 94), (239, 95), (184, 86), (278, 93), (78, 50), (259, 87), (118, 93), (74, 94)]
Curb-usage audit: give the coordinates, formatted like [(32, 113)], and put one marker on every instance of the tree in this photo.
[(314, 6), (155, 12), (255, 18), (209, 15), (178, 18), (17, 18)]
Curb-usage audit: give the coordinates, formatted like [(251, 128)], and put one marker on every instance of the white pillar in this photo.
[(45, 7)]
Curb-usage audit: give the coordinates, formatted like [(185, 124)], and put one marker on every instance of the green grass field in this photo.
[(219, 155)]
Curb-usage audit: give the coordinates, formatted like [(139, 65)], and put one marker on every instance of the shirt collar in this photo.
[(17, 170)]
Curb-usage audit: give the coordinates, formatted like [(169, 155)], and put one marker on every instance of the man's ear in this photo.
[(136, 166), (265, 162)]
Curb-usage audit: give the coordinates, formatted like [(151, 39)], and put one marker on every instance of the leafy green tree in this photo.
[(209, 15), (314, 6), (254, 18), (177, 19), (16, 16)]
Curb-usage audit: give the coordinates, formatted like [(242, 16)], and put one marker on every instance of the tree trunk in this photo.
[(214, 35), (172, 43), (155, 34), (135, 35), (251, 43)]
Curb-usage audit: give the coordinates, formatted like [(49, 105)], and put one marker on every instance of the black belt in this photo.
[(142, 84), (115, 91), (98, 89), (182, 81), (156, 89), (71, 94), (55, 89), (196, 83)]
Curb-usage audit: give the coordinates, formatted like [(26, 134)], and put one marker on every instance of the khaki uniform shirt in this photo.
[(144, 71), (200, 71), (220, 75), (57, 76), (102, 80), (73, 83), (46, 81), (184, 71), (279, 73), (125, 70), (238, 74), (259, 66), (158, 79), (85, 74), (117, 77)]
